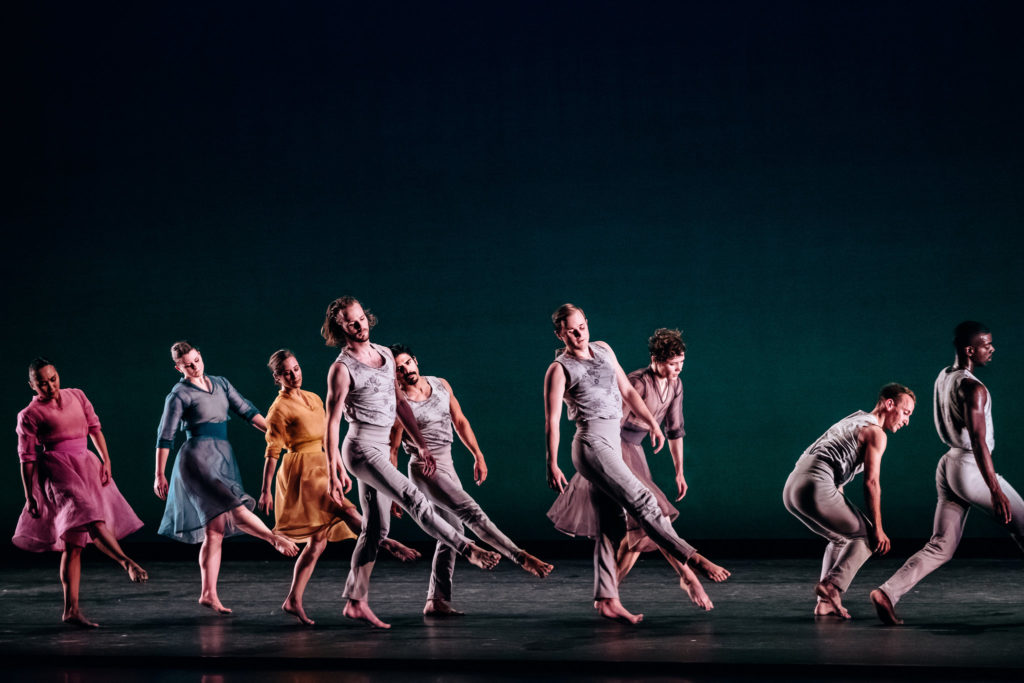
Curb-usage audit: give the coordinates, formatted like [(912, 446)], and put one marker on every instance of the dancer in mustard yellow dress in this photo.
[(303, 508)]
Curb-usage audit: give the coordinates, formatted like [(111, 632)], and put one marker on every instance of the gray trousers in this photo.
[(597, 456), (811, 495), (366, 455), (456, 506), (959, 485)]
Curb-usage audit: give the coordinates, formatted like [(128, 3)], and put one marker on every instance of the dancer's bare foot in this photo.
[(295, 609), (479, 557), (830, 594), (534, 565), (76, 618), (399, 551), (440, 608), (708, 568), (884, 608), (611, 608), (360, 609), (285, 546), (696, 593), (213, 602), (824, 609), (136, 574)]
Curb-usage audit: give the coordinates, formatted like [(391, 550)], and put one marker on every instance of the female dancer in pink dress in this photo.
[(70, 495)]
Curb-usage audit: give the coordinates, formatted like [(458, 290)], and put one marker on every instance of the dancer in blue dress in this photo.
[(205, 498)]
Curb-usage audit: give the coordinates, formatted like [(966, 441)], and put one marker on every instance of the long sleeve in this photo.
[(674, 417), (239, 404), (174, 408)]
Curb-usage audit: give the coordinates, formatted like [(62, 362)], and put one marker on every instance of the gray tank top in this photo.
[(371, 396), (592, 391), (434, 418), (950, 419), (838, 449)]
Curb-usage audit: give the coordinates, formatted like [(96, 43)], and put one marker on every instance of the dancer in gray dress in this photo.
[(205, 498), (965, 475), (588, 378), (436, 409), (814, 492), (361, 385)]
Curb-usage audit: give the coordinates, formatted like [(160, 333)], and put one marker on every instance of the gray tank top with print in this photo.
[(592, 390), (838, 448), (371, 396), (434, 418), (950, 420)]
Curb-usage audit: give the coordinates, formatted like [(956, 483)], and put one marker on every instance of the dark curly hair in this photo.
[(665, 344)]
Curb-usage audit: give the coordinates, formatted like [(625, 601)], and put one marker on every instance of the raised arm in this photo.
[(466, 435), (408, 421), (338, 382), (975, 400), (873, 441), (554, 389)]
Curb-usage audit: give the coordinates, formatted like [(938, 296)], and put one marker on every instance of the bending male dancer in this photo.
[(588, 377), (361, 384), (965, 475), (436, 409), (814, 492)]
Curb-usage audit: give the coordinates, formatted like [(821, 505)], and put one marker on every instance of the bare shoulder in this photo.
[(445, 384), (873, 436)]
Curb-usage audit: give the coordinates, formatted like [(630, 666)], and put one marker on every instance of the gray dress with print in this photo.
[(205, 481)]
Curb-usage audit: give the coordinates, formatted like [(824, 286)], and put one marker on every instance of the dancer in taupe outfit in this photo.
[(965, 475), (814, 492), (588, 378)]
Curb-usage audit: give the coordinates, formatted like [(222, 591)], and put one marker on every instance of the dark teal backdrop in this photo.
[(816, 193)]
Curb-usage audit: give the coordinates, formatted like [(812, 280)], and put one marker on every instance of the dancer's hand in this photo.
[(266, 502), (556, 480), (105, 473), (427, 463), (879, 541), (160, 486), (1001, 506), (396, 510), (681, 487), (33, 506), (657, 438), (480, 471)]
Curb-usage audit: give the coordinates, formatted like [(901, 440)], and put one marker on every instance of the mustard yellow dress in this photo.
[(296, 423)]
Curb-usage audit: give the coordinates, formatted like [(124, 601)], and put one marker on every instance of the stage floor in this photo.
[(965, 622)]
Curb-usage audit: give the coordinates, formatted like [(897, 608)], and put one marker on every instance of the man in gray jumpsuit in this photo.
[(965, 475)]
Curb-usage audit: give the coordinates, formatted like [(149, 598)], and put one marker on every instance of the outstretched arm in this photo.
[(466, 435), (975, 400), (338, 381), (554, 388), (873, 444)]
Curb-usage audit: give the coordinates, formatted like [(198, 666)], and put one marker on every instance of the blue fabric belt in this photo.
[(217, 430)]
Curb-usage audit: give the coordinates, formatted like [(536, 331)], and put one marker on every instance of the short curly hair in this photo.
[(665, 344)]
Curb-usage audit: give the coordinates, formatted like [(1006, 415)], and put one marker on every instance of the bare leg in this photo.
[(611, 608), (689, 582), (209, 565), (105, 541), (70, 580), (360, 609), (304, 566), (830, 594), (625, 559), (245, 520), (883, 607)]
